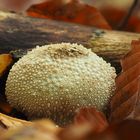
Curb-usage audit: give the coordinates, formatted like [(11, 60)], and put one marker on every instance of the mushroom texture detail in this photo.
[(53, 81)]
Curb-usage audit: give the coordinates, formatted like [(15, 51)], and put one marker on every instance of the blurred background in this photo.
[(113, 11), (22, 5)]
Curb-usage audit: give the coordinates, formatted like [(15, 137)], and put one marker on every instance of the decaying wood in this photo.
[(21, 32), (7, 122)]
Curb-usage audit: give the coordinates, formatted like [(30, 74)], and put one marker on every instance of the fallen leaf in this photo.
[(87, 123), (92, 116), (40, 130), (4, 106), (7, 122), (128, 61), (125, 104), (76, 132), (125, 130), (72, 11), (117, 16), (5, 62)]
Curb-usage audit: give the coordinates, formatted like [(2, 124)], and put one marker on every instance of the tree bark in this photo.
[(22, 32)]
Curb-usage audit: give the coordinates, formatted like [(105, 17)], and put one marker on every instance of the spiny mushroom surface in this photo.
[(54, 80)]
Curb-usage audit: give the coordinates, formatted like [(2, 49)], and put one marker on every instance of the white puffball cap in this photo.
[(52, 81)]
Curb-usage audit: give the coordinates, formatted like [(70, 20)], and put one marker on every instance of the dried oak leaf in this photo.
[(92, 116), (125, 130), (125, 104), (72, 11), (40, 130), (87, 123), (5, 61), (7, 122), (117, 16)]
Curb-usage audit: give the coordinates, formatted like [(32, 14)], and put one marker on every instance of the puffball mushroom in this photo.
[(52, 81)]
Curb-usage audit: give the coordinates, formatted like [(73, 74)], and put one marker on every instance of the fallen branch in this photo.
[(21, 32)]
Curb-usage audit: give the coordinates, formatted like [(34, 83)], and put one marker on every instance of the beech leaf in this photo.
[(125, 130), (39, 130), (7, 122), (5, 61), (93, 117), (72, 11), (87, 123), (125, 104)]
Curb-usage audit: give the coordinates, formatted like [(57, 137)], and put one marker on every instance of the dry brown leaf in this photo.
[(117, 16), (7, 122), (71, 11), (5, 61), (87, 123), (40, 130), (125, 104), (125, 130), (76, 132), (92, 116)]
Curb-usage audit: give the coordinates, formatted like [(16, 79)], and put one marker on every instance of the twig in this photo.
[(124, 22)]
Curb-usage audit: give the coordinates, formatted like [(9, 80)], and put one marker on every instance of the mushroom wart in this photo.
[(52, 81)]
